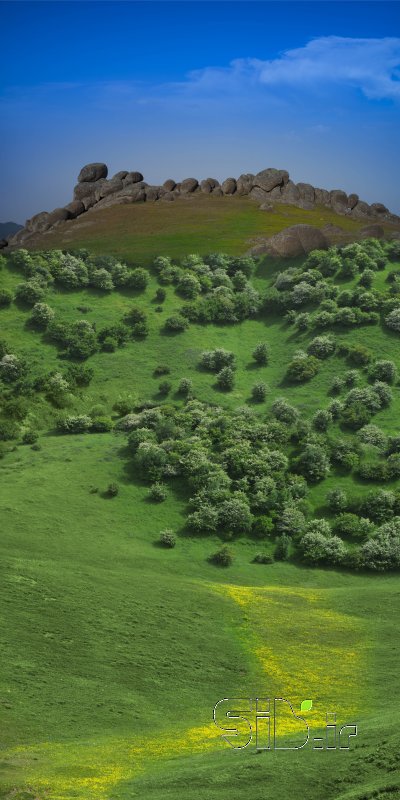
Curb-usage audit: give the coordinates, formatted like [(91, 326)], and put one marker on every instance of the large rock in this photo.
[(108, 187), (188, 185), (379, 208), (213, 182), (217, 192), (261, 195), (307, 192), (169, 185), (338, 201), (245, 183), (206, 187), (44, 220), (154, 192), (352, 200), (297, 240), (83, 190), (132, 177), (267, 179), (119, 176), (290, 193), (322, 197), (75, 208), (361, 210), (92, 172), (229, 186)]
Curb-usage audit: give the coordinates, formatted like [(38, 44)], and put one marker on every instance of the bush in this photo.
[(371, 434), (315, 548), (392, 320), (5, 298), (350, 525), (79, 374), (112, 490), (313, 463), (165, 387), (261, 353), (30, 437), (41, 315), (263, 558), (322, 419), (322, 347), (383, 370), (337, 500), (176, 323), (101, 424), (226, 379), (8, 430), (161, 369), (138, 279), (291, 521), (259, 392), (29, 293), (215, 360), (378, 505), (302, 369), (284, 412), (185, 386), (158, 492), (383, 551), (222, 557), (160, 295), (74, 424), (359, 355), (262, 527), (12, 368), (101, 279)]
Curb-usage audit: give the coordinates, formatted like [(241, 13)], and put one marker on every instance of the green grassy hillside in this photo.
[(115, 649)]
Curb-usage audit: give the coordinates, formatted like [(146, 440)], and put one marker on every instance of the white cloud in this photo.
[(370, 65)]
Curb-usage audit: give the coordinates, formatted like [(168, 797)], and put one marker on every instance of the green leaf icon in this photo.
[(306, 705)]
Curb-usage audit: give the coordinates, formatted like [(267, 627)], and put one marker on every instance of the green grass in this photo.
[(114, 651), (200, 224)]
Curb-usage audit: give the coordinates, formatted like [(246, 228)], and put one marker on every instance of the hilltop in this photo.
[(120, 213)]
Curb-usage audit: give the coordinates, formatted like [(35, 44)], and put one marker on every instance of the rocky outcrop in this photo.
[(297, 240), (268, 187)]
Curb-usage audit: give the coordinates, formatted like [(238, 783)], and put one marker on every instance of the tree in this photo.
[(383, 370), (185, 386), (12, 368), (261, 353), (302, 369), (291, 521), (322, 346), (30, 292), (284, 412), (322, 419), (378, 505), (282, 548), (392, 320), (101, 279), (226, 379), (353, 526), (313, 463), (234, 516), (167, 539), (176, 323), (158, 492), (215, 360), (138, 279), (222, 557), (383, 551)]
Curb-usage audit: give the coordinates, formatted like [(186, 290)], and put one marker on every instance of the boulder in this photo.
[(266, 207), (229, 186), (206, 187), (169, 185), (290, 193), (307, 192), (372, 232), (379, 208), (92, 172), (322, 197), (58, 215), (267, 179), (153, 192), (261, 195), (108, 187), (361, 210), (213, 182), (83, 190), (132, 177), (275, 194), (338, 201), (352, 200), (297, 240), (119, 176), (75, 208), (245, 183), (168, 196), (306, 205), (217, 191), (189, 185)]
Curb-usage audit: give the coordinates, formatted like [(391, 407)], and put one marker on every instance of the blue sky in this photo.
[(179, 89)]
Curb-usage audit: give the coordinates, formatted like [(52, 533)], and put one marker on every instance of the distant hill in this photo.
[(9, 228)]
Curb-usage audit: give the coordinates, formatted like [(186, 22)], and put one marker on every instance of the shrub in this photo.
[(302, 369), (284, 412), (222, 557), (291, 521), (383, 551), (371, 434), (167, 539), (112, 490), (5, 298), (392, 320), (74, 424), (322, 419), (234, 516), (29, 293), (359, 355), (160, 295), (158, 492), (352, 526), (176, 323), (185, 386), (101, 424), (378, 505), (337, 500), (322, 347), (41, 315), (79, 374), (30, 437), (282, 548), (259, 392), (101, 279), (161, 369), (366, 278), (8, 430), (138, 279), (12, 368), (189, 286), (263, 558), (226, 379), (262, 527), (313, 463), (215, 360), (261, 353), (383, 370), (165, 387), (316, 548)]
